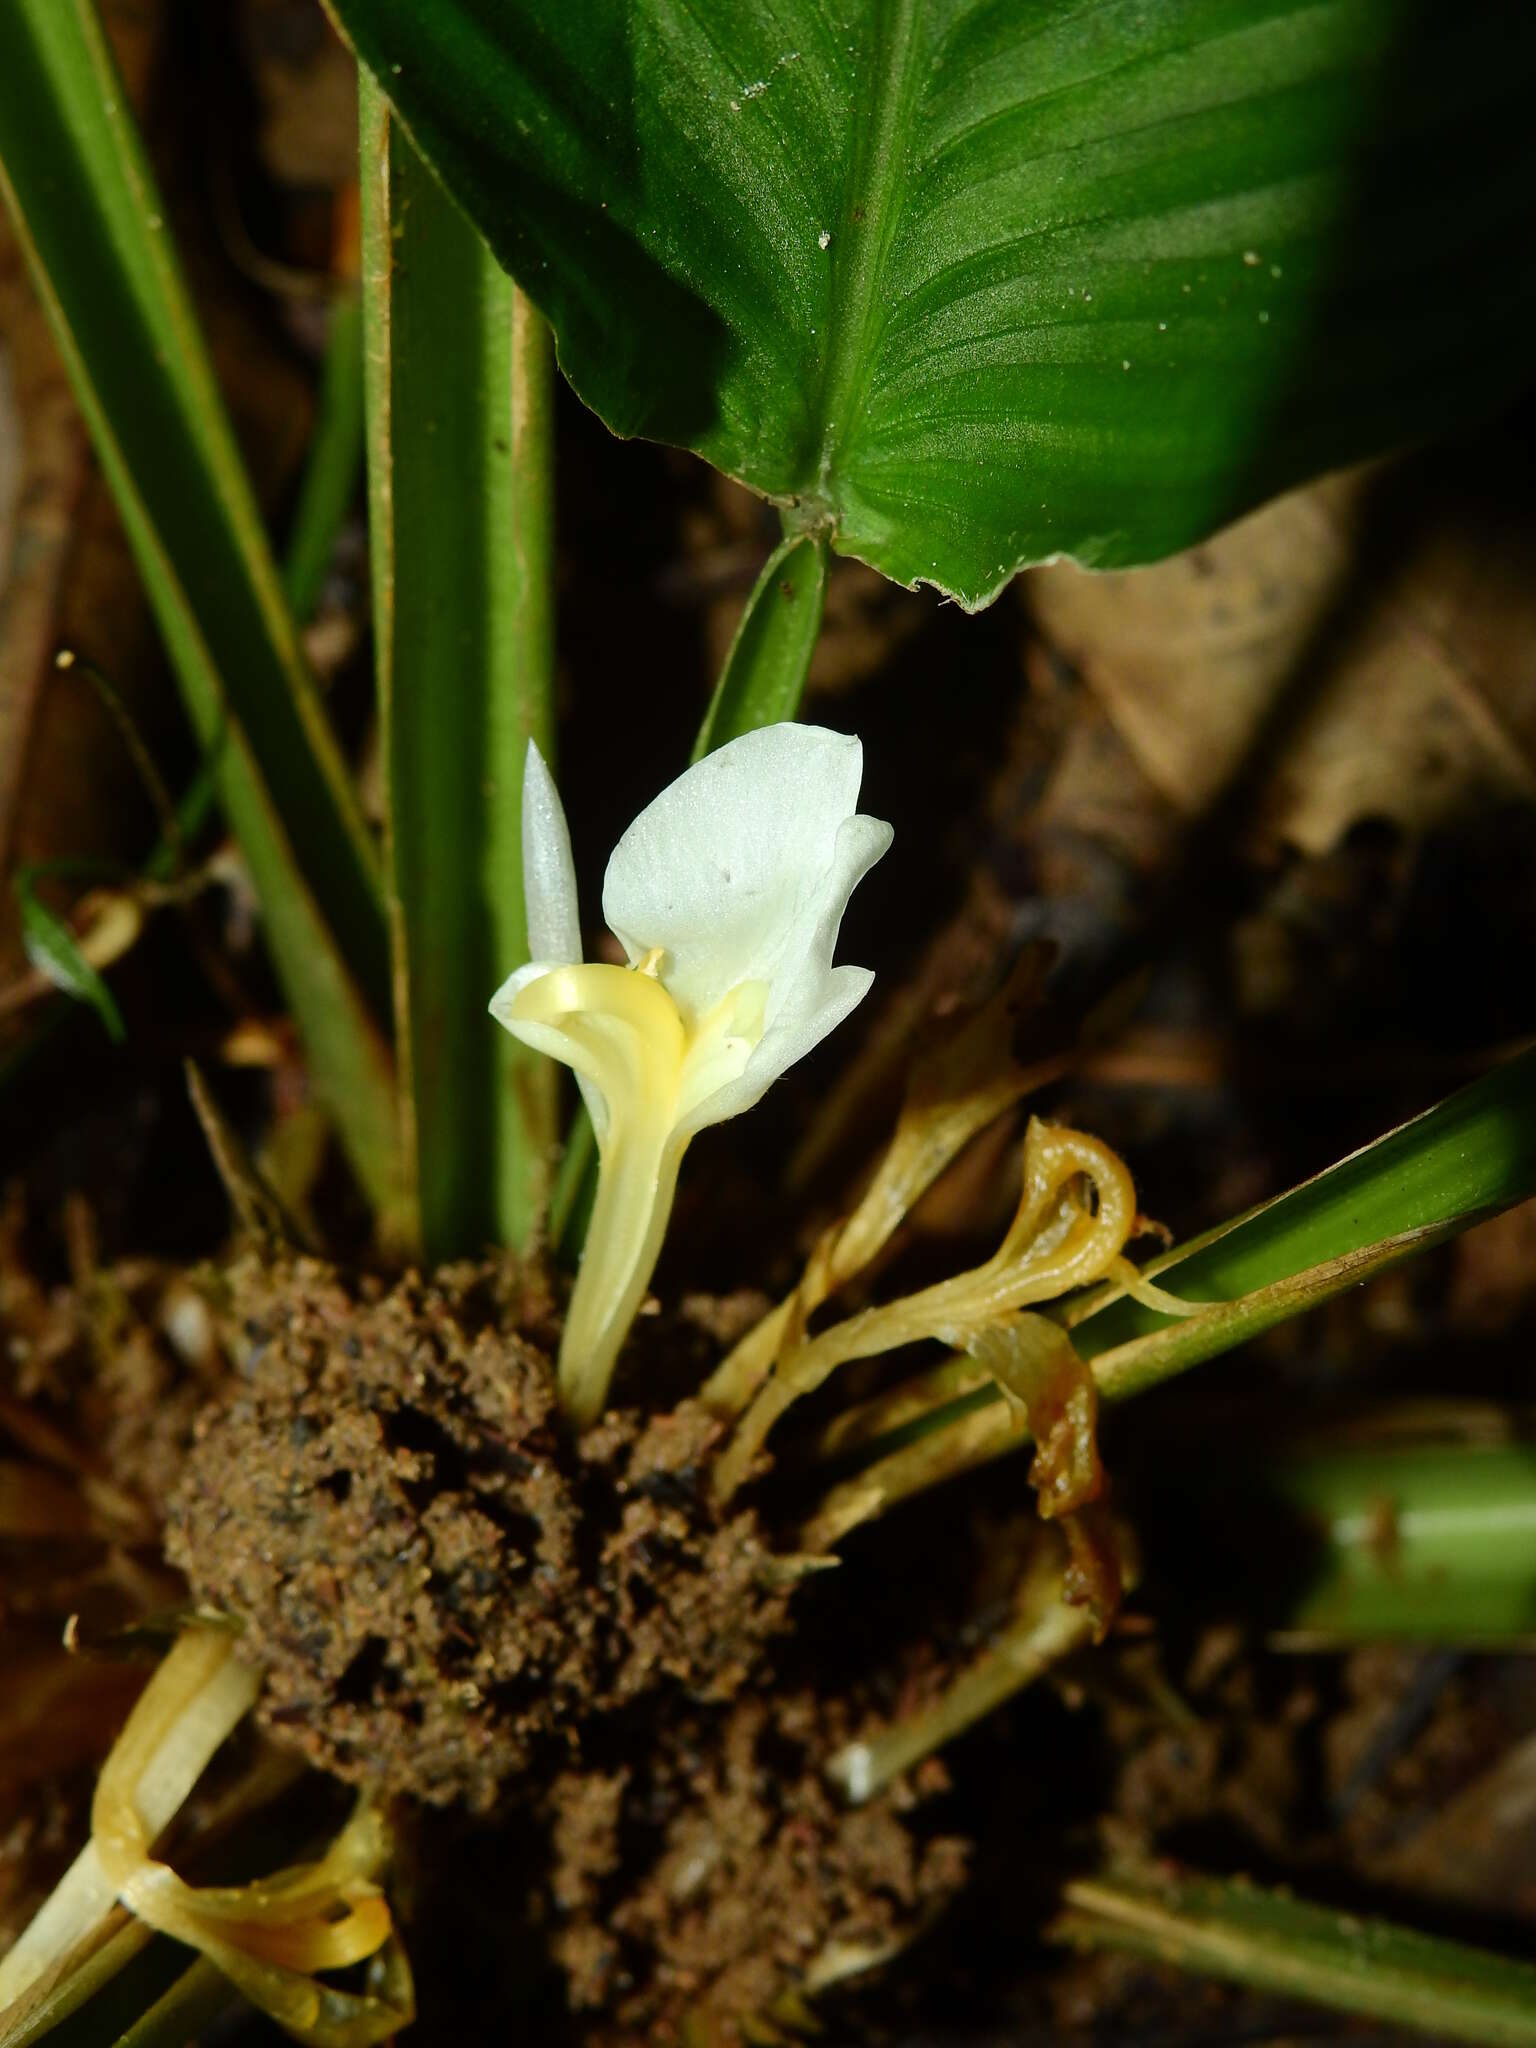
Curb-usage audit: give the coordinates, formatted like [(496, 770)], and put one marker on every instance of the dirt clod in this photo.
[(441, 1586)]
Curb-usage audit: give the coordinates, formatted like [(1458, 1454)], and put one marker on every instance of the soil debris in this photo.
[(700, 1886), (442, 1587)]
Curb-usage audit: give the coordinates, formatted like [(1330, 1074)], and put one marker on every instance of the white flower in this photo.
[(727, 893)]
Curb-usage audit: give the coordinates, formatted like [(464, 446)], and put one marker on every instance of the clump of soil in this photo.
[(698, 1883), (441, 1586)]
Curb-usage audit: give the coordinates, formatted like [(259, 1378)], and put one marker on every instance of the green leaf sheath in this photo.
[(92, 225), (460, 376), (974, 282), (1236, 1931)]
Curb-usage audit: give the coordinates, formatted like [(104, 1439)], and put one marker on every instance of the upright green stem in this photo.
[(459, 387), (764, 675), (527, 1090)]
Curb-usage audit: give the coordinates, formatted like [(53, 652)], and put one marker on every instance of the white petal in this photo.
[(540, 1036), (549, 873), (806, 960), (727, 865), (811, 997)]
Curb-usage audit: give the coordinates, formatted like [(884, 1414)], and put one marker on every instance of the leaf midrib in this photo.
[(877, 187)]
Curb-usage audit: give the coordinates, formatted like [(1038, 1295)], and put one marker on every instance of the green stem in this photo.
[(769, 659), (1237, 1932), (459, 387)]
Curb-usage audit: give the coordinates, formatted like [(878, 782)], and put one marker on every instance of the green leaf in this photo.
[(460, 389), (54, 951), (975, 282), (764, 675), (92, 224), (1468, 1156), (1178, 1343), (1235, 1931)]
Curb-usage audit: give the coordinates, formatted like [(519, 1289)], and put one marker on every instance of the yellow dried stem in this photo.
[(269, 1937), (184, 1713), (1129, 1279), (1045, 1628), (870, 1421), (970, 1440), (958, 1086), (1055, 1243)]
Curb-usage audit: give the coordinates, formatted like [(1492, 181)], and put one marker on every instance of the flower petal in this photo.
[(810, 997), (728, 864), (549, 873)]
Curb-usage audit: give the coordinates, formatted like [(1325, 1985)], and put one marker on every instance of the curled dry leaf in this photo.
[(1041, 1375)]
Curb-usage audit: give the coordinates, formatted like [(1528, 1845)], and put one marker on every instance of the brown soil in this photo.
[(442, 1587), (704, 1882)]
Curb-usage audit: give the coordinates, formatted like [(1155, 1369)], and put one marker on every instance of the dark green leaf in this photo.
[(979, 281)]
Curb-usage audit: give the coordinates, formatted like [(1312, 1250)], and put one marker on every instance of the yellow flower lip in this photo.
[(623, 1030)]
